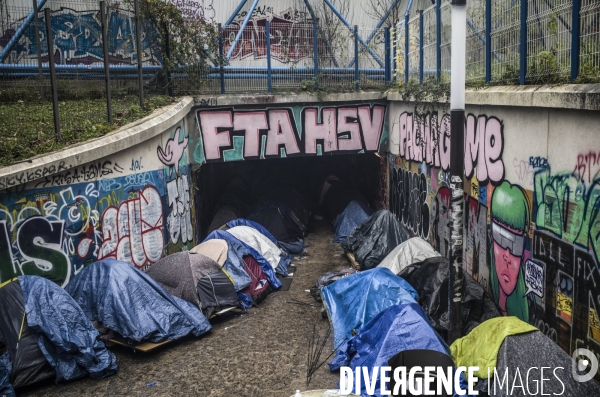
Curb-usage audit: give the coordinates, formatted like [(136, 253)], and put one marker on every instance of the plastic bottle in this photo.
[(298, 394)]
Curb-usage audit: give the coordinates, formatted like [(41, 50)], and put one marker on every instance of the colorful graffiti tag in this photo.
[(77, 39), (229, 134)]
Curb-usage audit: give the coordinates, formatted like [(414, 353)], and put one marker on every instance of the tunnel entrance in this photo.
[(240, 185)]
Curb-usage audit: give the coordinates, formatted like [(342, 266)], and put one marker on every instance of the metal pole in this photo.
[(168, 54), (421, 47), (438, 40), (388, 55), (36, 21), (575, 37), (457, 131), (394, 52), (50, 40), (239, 34), (356, 73), (268, 38), (523, 44), (138, 41), (488, 41), (316, 50), (406, 46), (221, 59), (20, 31), (104, 23)]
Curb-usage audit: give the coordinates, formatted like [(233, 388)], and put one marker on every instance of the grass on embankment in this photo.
[(27, 128)]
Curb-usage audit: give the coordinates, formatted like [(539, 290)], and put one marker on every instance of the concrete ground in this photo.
[(261, 353)]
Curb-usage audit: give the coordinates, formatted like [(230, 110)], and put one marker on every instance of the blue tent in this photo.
[(237, 250), (354, 214), (66, 338), (128, 301), (252, 224), (354, 300), (396, 329)]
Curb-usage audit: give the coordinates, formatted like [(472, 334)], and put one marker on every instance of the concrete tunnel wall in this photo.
[(532, 162), (532, 168)]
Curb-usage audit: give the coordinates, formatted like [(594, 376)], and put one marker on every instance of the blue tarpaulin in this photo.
[(399, 328), (65, 336), (252, 224), (128, 301), (6, 389), (354, 214), (354, 300), (237, 250)]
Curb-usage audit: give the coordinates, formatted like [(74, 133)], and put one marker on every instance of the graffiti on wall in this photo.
[(427, 140), (196, 8), (228, 134), (291, 37), (533, 243), (77, 39), (97, 211)]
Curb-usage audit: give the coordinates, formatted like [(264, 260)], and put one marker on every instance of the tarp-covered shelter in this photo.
[(375, 238), (223, 215), (353, 215), (254, 225), (44, 333), (234, 263), (353, 301), (130, 303), (411, 251), (180, 272), (279, 218), (252, 237), (288, 194), (336, 195), (430, 280), (398, 328)]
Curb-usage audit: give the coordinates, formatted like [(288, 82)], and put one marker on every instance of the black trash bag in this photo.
[(326, 279), (375, 238), (430, 279)]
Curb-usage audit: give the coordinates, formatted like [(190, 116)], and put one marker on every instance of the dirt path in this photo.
[(261, 353)]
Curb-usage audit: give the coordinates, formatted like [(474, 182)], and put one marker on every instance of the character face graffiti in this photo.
[(508, 249)]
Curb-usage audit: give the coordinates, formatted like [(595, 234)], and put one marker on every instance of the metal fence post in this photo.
[(438, 40), (406, 47), (103, 21), (488, 41), (50, 42), (316, 51), (394, 52), (221, 59), (421, 63), (168, 55), (356, 73), (575, 39), (388, 56), (523, 44), (38, 49), (268, 39), (138, 41)]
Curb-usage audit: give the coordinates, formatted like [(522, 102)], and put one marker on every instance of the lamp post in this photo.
[(457, 131)]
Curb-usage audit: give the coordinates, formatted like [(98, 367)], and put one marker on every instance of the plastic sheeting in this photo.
[(252, 237), (430, 280), (411, 251), (375, 238), (396, 329), (354, 214), (67, 338), (6, 389), (328, 278), (235, 255), (29, 365), (354, 300), (254, 225), (216, 291), (132, 304)]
